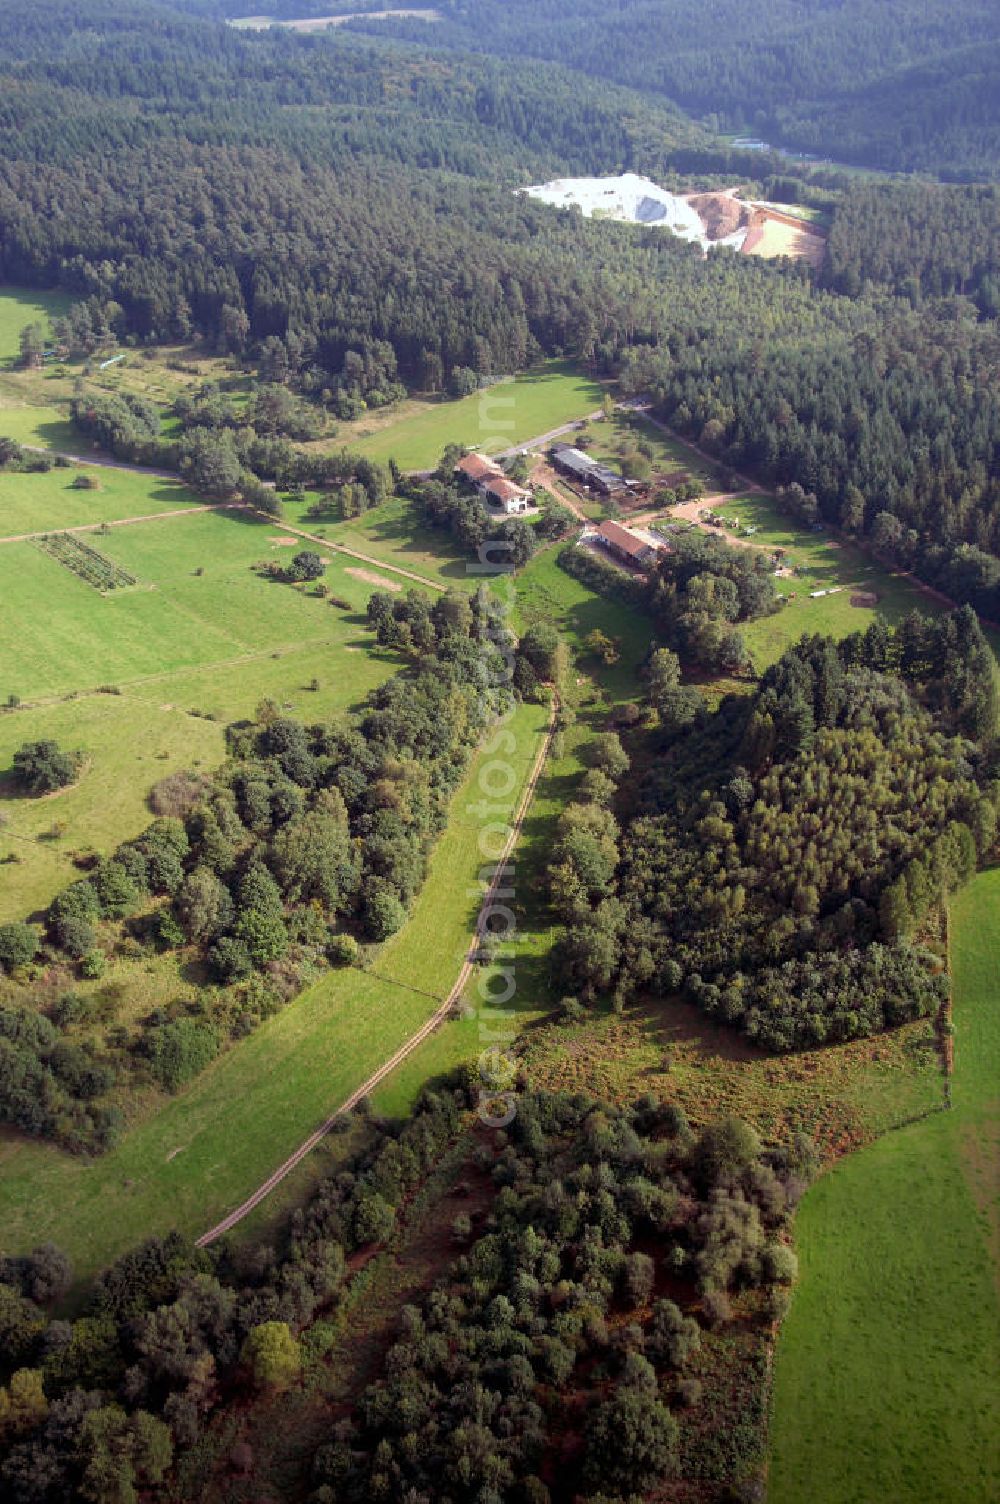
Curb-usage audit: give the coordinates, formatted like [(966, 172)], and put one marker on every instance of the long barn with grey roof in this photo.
[(586, 471)]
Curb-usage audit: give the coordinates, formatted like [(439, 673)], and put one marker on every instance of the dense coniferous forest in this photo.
[(894, 86), (341, 212), (879, 421), (919, 240), (338, 217)]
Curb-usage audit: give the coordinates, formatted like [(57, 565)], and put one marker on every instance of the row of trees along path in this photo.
[(437, 1017)]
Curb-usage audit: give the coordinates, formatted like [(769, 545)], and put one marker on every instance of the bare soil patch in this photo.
[(544, 475), (720, 213), (281, 540), (374, 579), (319, 23), (777, 237)]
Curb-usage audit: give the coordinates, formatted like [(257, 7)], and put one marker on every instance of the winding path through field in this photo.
[(437, 1017)]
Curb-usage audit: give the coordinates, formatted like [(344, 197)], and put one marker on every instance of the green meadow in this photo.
[(885, 1379), (39, 427), (127, 746), (544, 591), (820, 562), (48, 501), (21, 306), (141, 680), (392, 534), (512, 412), (197, 602), (206, 1149)]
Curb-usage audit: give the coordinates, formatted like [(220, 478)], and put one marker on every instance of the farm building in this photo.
[(477, 470), (492, 484), (588, 472), (625, 545), (506, 494)]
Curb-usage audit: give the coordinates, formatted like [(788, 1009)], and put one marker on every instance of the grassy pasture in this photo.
[(180, 647), (48, 502), (208, 1147), (416, 433), (21, 306), (821, 562), (544, 591), (127, 746), (174, 619), (40, 427), (885, 1380), (392, 533)]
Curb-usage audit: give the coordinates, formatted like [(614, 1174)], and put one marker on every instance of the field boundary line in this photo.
[(437, 1017), (353, 553), (95, 527)]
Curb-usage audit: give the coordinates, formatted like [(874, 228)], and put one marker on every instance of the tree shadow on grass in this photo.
[(405, 538), (668, 1021), (59, 433)]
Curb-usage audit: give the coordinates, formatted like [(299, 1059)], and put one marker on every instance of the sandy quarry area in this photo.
[(707, 219), (777, 237), (635, 200), (318, 23), (722, 214)]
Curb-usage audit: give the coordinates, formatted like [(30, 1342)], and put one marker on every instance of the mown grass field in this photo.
[(127, 746), (197, 602), (197, 642), (885, 1380), (416, 433), (392, 533), (209, 1147), (546, 592), (39, 427), (49, 501)]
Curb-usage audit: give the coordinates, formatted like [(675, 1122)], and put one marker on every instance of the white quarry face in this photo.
[(634, 200)]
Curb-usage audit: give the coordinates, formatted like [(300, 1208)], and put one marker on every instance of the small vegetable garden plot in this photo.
[(92, 567)]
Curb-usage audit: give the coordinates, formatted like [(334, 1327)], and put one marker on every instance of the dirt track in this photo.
[(544, 475), (437, 1017)]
